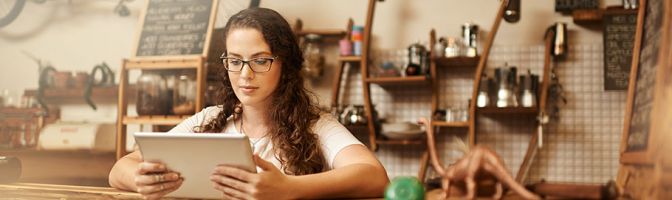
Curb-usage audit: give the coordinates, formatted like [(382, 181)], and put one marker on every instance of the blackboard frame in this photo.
[(206, 46), (656, 134)]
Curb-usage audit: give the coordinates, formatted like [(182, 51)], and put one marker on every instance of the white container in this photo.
[(77, 136)]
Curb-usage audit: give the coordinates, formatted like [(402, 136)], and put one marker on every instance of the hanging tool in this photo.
[(107, 79)]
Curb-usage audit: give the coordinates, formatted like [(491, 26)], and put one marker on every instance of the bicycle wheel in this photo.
[(9, 10)]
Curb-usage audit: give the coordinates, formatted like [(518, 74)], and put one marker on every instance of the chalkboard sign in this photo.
[(644, 88), (175, 28), (619, 37)]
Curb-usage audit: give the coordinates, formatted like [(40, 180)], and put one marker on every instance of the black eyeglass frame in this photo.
[(226, 66)]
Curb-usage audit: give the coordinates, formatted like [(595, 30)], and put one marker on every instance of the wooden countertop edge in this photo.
[(69, 188)]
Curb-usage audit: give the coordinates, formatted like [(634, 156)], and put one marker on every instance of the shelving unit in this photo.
[(444, 63), (474, 112), (196, 63)]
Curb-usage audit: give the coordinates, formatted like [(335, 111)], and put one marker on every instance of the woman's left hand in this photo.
[(236, 183)]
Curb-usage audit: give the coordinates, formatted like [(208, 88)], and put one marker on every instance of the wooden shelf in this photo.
[(155, 119), (508, 110), (461, 61), (588, 17), (594, 16), (418, 141), (451, 124), (107, 94), (323, 33), (162, 64), (398, 80), (350, 58)]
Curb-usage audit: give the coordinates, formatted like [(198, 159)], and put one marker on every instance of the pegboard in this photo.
[(582, 145)]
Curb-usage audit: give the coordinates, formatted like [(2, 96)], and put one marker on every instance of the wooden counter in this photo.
[(47, 191), (66, 167), (50, 191)]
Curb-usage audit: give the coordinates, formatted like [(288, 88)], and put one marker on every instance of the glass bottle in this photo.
[(152, 94), (184, 94)]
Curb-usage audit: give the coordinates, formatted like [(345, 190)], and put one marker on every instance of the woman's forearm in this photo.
[(356, 180), (122, 175)]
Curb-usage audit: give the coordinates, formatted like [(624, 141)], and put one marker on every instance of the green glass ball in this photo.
[(405, 187)]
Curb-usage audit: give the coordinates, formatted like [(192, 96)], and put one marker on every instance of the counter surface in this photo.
[(50, 191)]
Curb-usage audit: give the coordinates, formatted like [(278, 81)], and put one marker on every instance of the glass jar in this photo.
[(184, 94), (152, 95), (314, 60)]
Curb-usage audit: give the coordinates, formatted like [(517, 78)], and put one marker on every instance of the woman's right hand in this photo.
[(153, 180)]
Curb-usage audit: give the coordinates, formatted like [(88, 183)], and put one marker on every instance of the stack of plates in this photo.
[(402, 130)]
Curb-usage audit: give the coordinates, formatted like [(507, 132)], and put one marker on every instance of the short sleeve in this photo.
[(196, 120), (334, 137)]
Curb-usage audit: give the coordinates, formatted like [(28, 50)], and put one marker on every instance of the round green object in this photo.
[(405, 187)]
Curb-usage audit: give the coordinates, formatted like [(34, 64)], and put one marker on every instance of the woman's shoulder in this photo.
[(327, 122), (326, 119)]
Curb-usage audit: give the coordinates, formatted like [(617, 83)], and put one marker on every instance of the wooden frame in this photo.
[(197, 63), (162, 62), (206, 44), (655, 139)]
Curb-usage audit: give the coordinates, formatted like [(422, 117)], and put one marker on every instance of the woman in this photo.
[(299, 152)]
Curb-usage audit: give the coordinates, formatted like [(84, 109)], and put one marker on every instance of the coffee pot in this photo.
[(529, 84), (417, 60), (483, 99), (506, 82)]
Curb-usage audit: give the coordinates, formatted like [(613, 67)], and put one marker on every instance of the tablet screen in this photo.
[(194, 156)]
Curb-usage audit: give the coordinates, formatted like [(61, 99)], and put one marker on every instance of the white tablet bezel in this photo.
[(194, 156)]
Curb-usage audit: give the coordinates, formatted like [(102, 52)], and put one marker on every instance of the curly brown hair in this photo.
[(294, 111)]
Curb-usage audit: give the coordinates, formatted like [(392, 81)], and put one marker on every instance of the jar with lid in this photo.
[(184, 94), (314, 60), (152, 95)]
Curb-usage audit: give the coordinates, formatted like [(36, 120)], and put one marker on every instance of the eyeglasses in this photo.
[(256, 64)]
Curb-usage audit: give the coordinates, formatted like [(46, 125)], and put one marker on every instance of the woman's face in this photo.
[(252, 88)]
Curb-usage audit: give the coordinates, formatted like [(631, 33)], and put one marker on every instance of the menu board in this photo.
[(175, 27), (642, 100), (619, 38)]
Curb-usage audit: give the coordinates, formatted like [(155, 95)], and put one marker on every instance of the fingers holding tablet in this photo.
[(154, 180), (157, 191)]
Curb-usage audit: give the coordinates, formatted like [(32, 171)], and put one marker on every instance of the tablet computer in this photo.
[(194, 156)]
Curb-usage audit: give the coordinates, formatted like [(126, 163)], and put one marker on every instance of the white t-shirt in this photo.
[(333, 136)]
